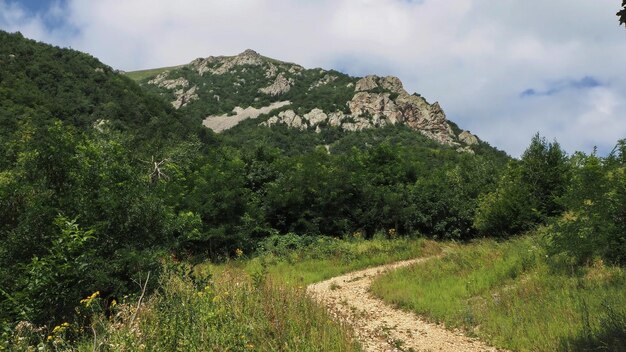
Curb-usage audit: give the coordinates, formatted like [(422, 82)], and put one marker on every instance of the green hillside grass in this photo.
[(143, 74), (510, 295)]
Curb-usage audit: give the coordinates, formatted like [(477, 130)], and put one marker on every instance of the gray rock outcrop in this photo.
[(377, 102), (280, 86), (468, 138), (182, 96)]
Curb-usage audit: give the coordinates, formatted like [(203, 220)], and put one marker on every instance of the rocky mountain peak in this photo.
[(310, 99), (249, 53), (390, 83)]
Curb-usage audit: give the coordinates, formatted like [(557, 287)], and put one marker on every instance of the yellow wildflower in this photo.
[(238, 252), (88, 300)]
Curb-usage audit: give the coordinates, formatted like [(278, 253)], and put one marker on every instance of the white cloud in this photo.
[(474, 56)]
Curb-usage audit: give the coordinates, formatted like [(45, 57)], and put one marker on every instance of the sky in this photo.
[(503, 69)]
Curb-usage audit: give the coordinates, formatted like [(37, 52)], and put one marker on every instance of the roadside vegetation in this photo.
[(560, 287), (511, 296), (257, 304)]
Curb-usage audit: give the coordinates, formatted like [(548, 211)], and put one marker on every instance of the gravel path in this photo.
[(381, 327)]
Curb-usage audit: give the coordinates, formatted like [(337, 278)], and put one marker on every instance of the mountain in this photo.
[(222, 91)]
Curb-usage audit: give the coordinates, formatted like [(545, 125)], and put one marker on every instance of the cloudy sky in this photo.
[(503, 69)]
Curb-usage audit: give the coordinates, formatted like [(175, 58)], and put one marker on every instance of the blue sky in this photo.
[(33, 6), (502, 69)]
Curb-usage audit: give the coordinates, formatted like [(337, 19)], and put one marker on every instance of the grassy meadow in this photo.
[(512, 296)]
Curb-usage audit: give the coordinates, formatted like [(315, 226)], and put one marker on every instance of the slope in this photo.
[(42, 82), (223, 91)]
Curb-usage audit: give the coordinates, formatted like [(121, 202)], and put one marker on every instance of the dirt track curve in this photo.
[(381, 327)]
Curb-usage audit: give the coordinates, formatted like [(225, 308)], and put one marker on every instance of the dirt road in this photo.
[(381, 327)]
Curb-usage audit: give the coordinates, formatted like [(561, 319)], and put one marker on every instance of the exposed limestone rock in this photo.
[(271, 71), (366, 83), (468, 138), (289, 118), (390, 83), (280, 86), (336, 118), (376, 105), (220, 123), (184, 97), (296, 69), (222, 64), (162, 81), (181, 96), (315, 117), (465, 149), (323, 81), (410, 110)]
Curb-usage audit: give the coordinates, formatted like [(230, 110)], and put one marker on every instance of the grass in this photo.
[(231, 313), (329, 257), (143, 74), (257, 304), (510, 295)]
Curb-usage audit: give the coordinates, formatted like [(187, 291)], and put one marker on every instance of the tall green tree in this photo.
[(528, 193)]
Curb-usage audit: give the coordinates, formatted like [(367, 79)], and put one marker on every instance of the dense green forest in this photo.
[(102, 182)]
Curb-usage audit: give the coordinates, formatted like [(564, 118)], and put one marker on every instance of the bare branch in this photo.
[(143, 292)]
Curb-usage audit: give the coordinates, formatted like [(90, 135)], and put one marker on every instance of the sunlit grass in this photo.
[(331, 257), (142, 74), (509, 295), (257, 304), (232, 312)]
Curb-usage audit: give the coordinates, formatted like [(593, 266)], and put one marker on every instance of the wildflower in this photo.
[(238, 252), (88, 300), (113, 303)]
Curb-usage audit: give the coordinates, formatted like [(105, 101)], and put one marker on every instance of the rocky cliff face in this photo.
[(381, 101), (318, 98)]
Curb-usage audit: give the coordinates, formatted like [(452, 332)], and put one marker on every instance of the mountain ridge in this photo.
[(218, 87)]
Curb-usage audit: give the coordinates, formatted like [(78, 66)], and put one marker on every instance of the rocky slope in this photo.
[(216, 88)]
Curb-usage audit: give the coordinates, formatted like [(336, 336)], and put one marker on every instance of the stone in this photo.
[(280, 86), (222, 64), (323, 81), (185, 97), (390, 83), (375, 105), (315, 117), (468, 138)]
